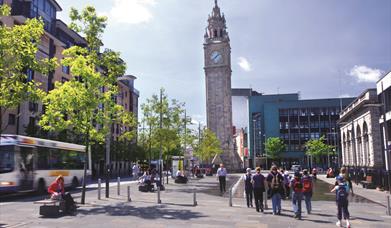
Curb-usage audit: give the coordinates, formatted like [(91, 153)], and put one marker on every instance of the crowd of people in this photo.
[(299, 187)]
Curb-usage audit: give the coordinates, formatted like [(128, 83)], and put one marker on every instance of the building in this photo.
[(360, 131), (217, 60), (293, 120), (383, 88), (57, 37)]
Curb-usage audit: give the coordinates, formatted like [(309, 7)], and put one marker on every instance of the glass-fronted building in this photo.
[(293, 120)]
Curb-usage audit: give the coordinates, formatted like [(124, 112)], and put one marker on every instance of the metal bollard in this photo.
[(99, 186), (230, 197), (194, 198), (158, 195), (118, 185), (265, 199), (129, 199), (388, 205)]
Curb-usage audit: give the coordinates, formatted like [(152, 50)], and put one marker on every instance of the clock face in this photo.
[(216, 57)]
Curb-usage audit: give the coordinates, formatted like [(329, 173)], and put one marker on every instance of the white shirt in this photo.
[(221, 172)]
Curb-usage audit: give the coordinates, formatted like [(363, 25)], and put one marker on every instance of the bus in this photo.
[(31, 164)]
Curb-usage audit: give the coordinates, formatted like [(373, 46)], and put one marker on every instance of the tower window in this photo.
[(221, 33), (215, 33)]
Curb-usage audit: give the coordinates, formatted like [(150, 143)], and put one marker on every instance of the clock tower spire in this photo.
[(217, 61)]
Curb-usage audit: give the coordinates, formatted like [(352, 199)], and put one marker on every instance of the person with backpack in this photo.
[(287, 181), (275, 183), (307, 190), (258, 182), (342, 193), (248, 187), (297, 194)]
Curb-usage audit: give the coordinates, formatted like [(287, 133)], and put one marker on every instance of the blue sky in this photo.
[(323, 48)]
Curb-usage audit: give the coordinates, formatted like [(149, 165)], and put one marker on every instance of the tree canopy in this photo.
[(274, 146)]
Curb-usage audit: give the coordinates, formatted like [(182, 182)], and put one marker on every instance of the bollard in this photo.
[(265, 199), (158, 195), (129, 199), (194, 198), (99, 186), (118, 185), (388, 205), (230, 197)]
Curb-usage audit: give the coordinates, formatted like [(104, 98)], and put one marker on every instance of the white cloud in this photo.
[(131, 11), (345, 95), (365, 74), (244, 64)]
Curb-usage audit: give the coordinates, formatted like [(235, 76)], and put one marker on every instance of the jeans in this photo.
[(222, 183), (276, 203), (258, 195), (296, 203), (249, 197), (307, 199), (343, 209)]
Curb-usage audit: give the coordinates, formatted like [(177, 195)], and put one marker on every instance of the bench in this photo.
[(367, 183), (51, 208)]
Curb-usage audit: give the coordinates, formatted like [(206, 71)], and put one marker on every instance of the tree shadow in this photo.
[(365, 219), (149, 212)]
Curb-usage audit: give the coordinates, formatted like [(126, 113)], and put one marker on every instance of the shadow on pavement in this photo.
[(316, 221), (365, 219), (150, 212)]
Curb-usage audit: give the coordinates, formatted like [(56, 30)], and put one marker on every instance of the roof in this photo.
[(76, 36)]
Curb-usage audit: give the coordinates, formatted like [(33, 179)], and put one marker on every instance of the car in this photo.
[(296, 168)]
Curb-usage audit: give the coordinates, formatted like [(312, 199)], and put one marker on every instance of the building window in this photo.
[(65, 69), (30, 75), (33, 107), (11, 119)]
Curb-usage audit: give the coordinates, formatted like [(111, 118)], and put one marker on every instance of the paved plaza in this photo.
[(177, 210)]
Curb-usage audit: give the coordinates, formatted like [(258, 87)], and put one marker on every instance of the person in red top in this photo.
[(56, 188), (57, 192)]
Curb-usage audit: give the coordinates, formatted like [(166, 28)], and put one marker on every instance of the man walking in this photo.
[(307, 190), (297, 194), (221, 175), (276, 188), (259, 188)]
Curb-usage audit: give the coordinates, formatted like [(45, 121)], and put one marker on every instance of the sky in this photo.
[(321, 49)]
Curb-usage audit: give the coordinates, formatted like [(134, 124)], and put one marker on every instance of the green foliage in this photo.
[(274, 147), (18, 50), (171, 134), (208, 147), (317, 148)]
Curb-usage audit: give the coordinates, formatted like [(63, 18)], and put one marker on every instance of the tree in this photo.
[(18, 49), (317, 148), (274, 146), (86, 104), (208, 147)]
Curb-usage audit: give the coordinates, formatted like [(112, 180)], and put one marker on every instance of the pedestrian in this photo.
[(345, 175), (248, 187), (341, 196), (308, 188), (221, 175), (135, 171), (275, 180), (259, 188), (287, 181), (297, 194)]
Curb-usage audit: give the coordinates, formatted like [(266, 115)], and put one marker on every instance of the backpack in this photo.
[(275, 182), (307, 184), (297, 185), (342, 193)]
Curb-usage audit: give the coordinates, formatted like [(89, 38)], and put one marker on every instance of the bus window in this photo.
[(43, 158), (7, 159)]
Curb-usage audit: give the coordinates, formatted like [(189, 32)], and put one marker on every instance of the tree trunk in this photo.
[(83, 193)]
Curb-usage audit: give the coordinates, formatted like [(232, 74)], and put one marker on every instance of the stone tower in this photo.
[(217, 55)]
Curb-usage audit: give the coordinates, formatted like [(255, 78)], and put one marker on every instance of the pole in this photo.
[(254, 153), (386, 136), (118, 185), (129, 199), (108, 138), (161, 148), (267, 167), (99, 188), (230, 197), (184, 141), (194, 198)]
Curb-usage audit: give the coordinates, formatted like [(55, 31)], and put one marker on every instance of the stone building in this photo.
[(360, 132), (217, 55)]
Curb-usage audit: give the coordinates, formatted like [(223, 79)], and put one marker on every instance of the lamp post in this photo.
[(254, 121)]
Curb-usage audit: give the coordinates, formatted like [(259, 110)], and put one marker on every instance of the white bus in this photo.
[(31, 164)]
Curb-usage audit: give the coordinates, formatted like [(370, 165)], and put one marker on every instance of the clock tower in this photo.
[(217, 55)]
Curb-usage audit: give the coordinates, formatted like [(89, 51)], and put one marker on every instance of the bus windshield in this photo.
[(7, 159)]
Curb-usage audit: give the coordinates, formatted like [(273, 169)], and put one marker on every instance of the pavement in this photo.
[(376, 196), (177, 210)]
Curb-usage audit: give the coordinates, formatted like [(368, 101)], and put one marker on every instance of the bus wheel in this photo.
[(75, 182), (41, 187)]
